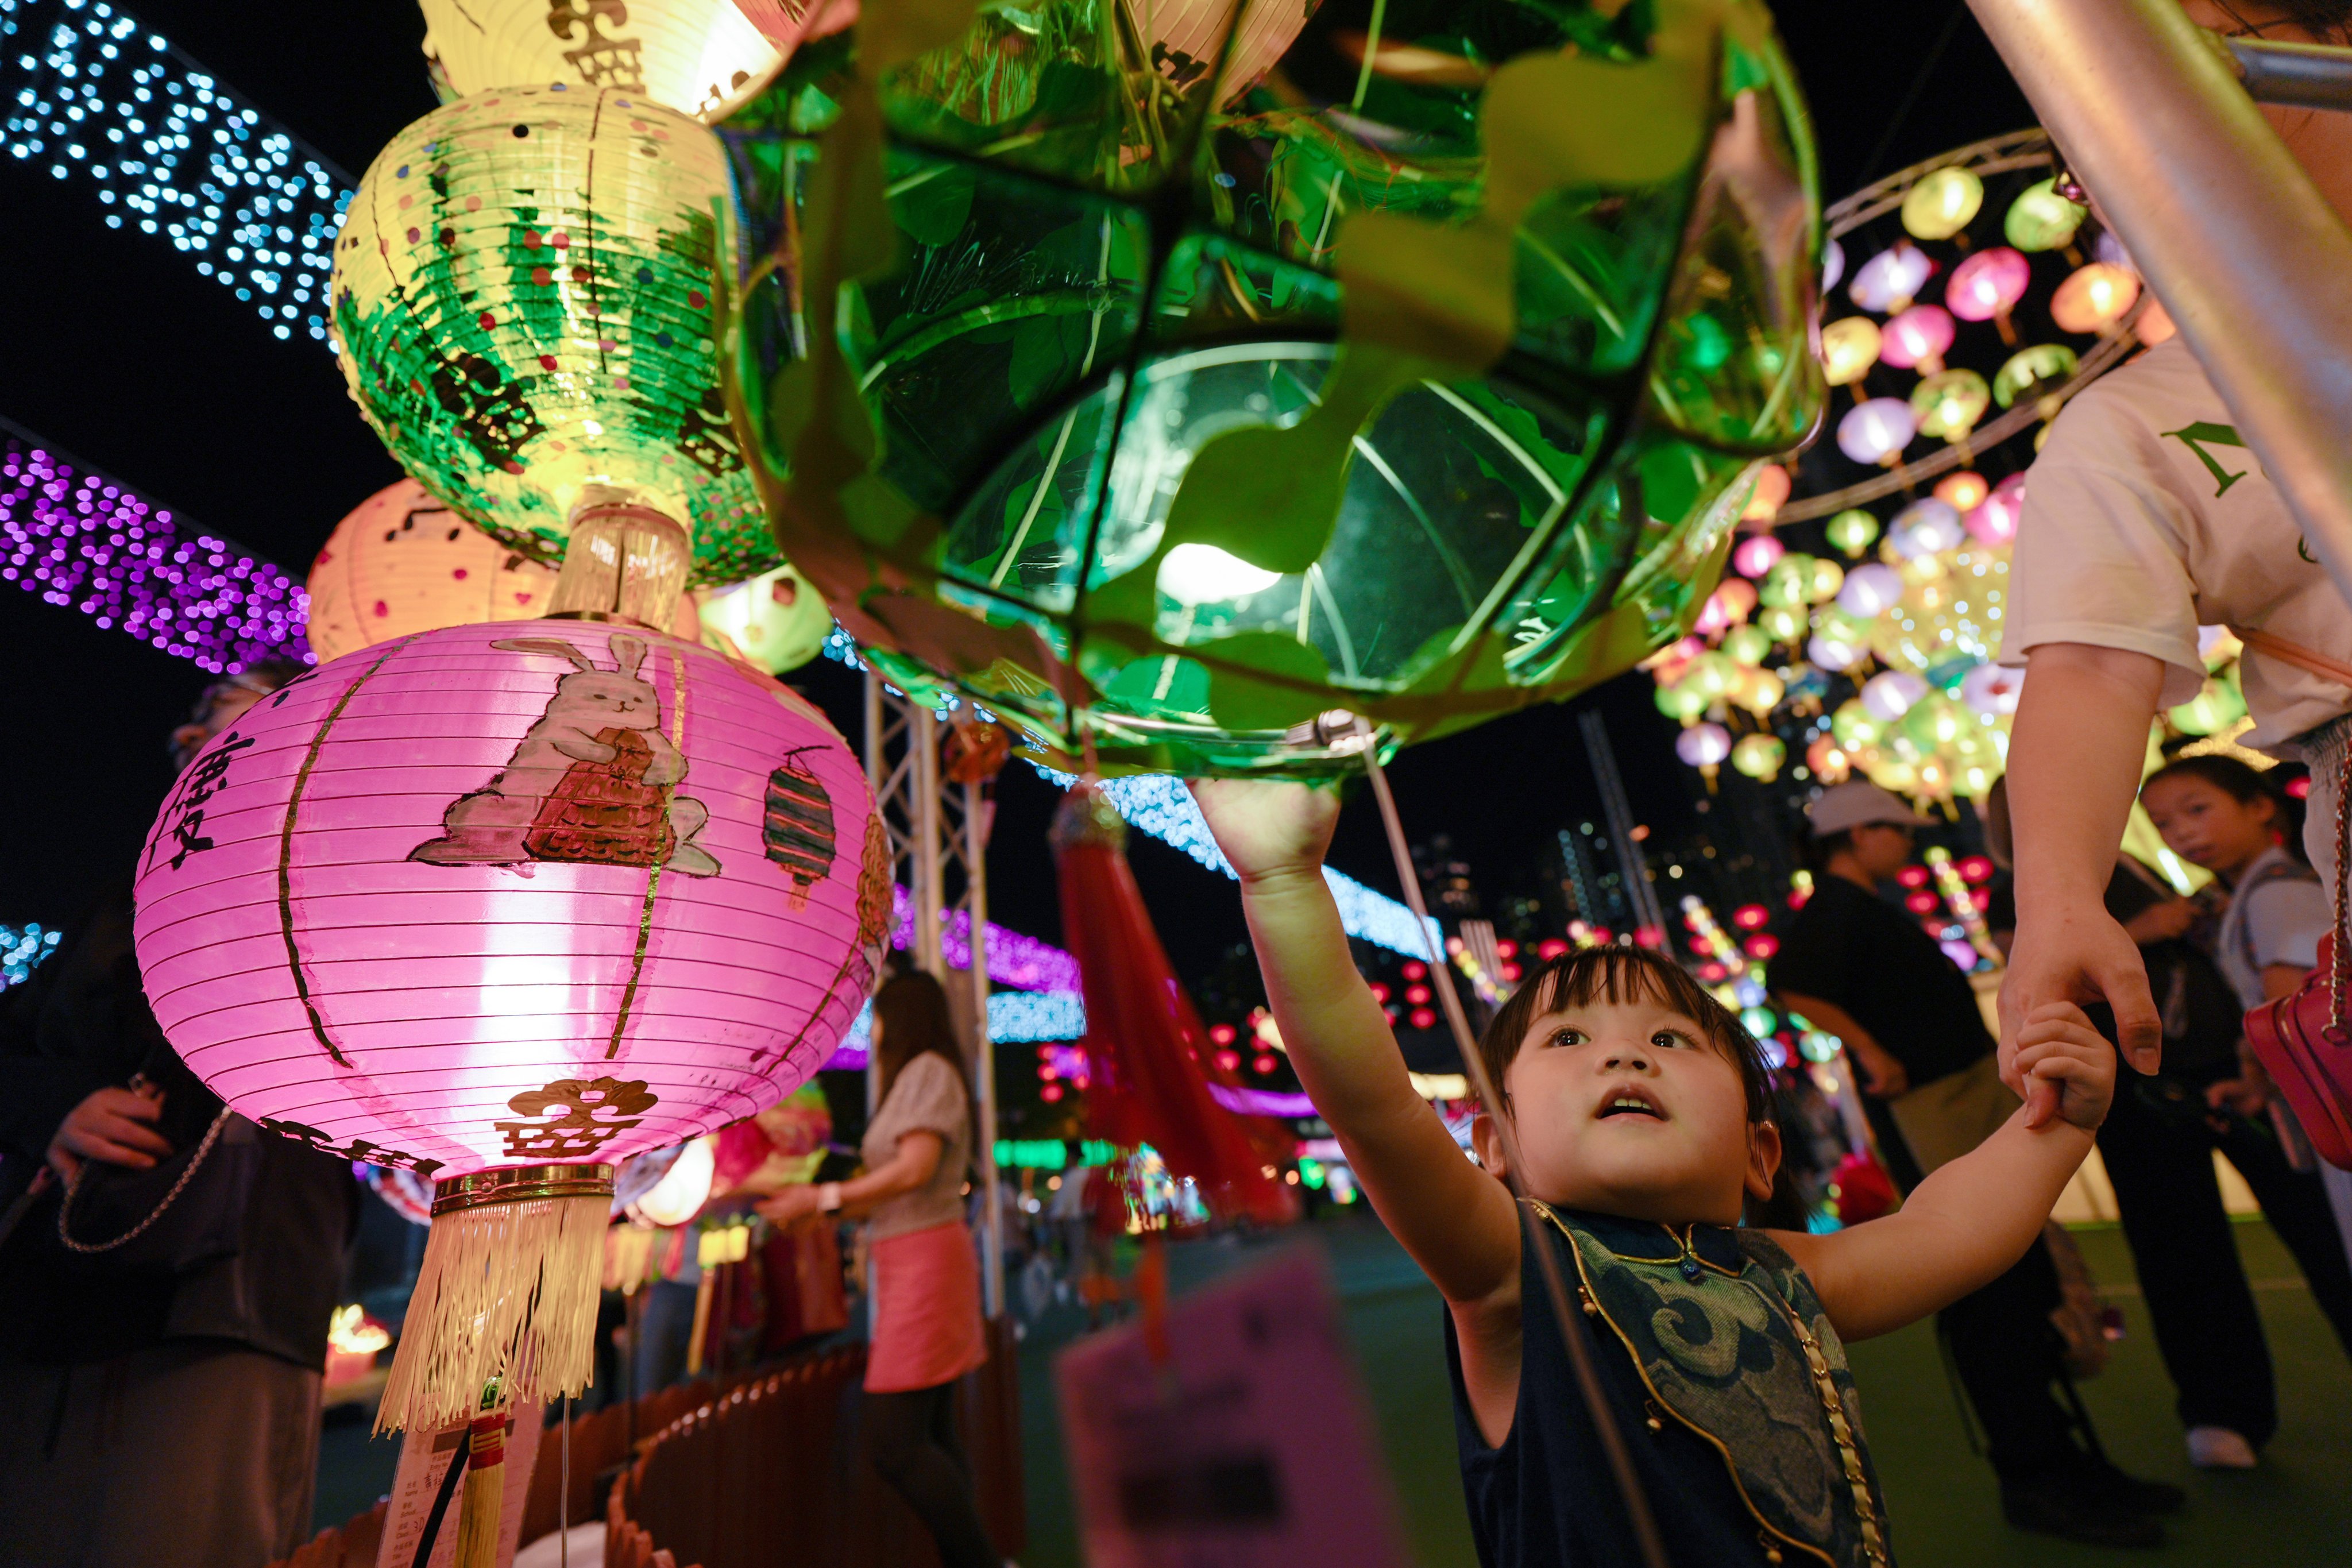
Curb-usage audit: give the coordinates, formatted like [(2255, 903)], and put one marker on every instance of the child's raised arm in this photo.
[(1967, 1224), (1456, 1220)]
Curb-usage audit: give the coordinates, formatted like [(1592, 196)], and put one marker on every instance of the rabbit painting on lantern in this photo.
[(592, 782)]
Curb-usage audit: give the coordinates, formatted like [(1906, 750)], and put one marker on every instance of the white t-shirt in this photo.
[(2277, 917), (2144, 517)]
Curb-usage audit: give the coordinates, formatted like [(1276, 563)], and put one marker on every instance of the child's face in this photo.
[(2206, 824), (1628, 1109)]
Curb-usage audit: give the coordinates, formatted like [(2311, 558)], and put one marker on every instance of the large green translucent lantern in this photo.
[(526, 293), (1162, 410)]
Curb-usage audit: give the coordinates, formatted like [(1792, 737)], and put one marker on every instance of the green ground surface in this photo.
[(2295, 1510)]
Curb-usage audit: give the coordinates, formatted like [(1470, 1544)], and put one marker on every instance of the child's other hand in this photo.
[(2057, 1044), (1267, 827)]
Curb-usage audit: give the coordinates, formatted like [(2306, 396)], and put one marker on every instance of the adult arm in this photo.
[(1975, 1216), (908, 1169), (1458, 1221), (2076, 753), (1883, 1075)]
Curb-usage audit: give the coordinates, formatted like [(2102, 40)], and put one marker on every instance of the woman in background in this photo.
[(926, 1278)]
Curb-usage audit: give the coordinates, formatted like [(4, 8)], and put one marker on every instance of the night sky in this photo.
[(117, 352)]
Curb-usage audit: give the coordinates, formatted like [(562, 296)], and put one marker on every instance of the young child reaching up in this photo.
[(1641, 1116)]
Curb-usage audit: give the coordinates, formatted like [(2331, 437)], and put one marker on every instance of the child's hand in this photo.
[(2057, 1044), (1266, 826)]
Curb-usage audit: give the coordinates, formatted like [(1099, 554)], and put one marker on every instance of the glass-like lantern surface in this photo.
[(1161, 399)]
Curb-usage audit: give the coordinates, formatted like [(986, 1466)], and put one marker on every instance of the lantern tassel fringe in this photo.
[(506, 1291)]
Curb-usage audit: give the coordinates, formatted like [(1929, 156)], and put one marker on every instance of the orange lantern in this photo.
[(403, 562)]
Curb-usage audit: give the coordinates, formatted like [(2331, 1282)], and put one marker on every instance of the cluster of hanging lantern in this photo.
[(1858, 632), (1441, 399)]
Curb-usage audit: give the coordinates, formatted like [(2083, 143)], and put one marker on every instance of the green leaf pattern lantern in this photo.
[(526, 293), (1162, 411)]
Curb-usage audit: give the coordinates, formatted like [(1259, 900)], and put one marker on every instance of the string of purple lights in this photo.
[(83, 542)]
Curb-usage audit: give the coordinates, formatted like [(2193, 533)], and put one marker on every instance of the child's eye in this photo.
[(1567, 1036), (1670, 1039)]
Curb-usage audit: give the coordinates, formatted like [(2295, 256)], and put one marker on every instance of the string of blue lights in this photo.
[(92, 96)]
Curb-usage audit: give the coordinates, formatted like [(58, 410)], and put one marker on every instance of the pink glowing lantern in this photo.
[(1926, 527), (1994, 520), (1988, 285), (500, 906), (1870, 591), (1890, 281), (1703, 745), (1918, 339), (1756, 555), (1877, 431), (1992, 691)]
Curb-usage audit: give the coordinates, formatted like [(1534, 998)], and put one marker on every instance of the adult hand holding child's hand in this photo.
[(2057, 1046)]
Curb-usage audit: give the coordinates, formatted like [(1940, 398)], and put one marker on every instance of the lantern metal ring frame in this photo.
[(2009, 154)]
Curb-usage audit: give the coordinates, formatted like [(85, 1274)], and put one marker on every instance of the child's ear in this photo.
[(1763, 1159), (1489, 1145)]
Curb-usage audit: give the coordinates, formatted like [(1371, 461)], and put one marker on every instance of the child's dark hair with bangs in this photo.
[(1619, 973)]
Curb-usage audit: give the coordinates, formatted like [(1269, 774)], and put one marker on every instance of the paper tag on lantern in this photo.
[(424, 1475), (1250, 1445)]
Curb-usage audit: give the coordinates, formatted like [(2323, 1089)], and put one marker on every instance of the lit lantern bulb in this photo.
[(1851, 530), (1870, 590), (1890, 694), (1963, 492), (1703, 745), (2041, 219), (1918, 339), (1890, 281), (2095, 298), (1772, 486), (1738, 597), (1877, 431), (1949, 403), (1987, 286), (1925, 528), (1757, 555), (1994, 520), (1943, 203), (1849, 348)]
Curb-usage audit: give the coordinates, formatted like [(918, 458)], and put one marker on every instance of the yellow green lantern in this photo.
[(1759, 756), (1162, 410), (1941, 204), (1749, 646), (1851, 530), (2027, 371), (526, 295), (2041, 219), (1949, 403)]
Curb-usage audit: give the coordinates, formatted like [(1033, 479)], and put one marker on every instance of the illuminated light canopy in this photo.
[(22, 948), (92, 96), (1013, 958), (83, 542)]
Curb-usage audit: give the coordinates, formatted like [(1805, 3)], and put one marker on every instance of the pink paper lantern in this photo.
[(1877, 431), (1918, 338), (1757, 554), (526, 895), (1987, 284), (1994, 520), (1891, 280)]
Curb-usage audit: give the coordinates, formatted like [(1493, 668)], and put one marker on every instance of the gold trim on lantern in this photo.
[(521, 1184)]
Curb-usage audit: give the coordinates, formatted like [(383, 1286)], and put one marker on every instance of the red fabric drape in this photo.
[(1150, 1059)]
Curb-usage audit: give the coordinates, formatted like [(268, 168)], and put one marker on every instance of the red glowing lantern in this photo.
[(1224, 1034), (1551, 948), (1051, 1093), (1752, 917), (1921, 904), (1763, 945), (1229, 1061), (1511, 972), (1976, 869), (1416, 994), (1379, 991), (1912, 876), (1264, 1063), (1422, 1018), (1415, 969), (1713, 973)]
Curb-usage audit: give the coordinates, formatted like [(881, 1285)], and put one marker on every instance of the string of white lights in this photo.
[(90, 95)]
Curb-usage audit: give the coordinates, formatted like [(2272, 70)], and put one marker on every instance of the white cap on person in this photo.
[(1857, 804)]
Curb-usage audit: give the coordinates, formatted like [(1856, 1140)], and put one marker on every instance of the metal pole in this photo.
[(2236, 240), (1619, 812), (923, 817), (2303, 76), (975, 881)]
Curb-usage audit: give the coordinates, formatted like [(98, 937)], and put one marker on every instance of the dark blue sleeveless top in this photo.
[(1729, 1387)]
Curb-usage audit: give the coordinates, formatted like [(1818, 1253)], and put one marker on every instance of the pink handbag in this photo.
[(2304, 1041)]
